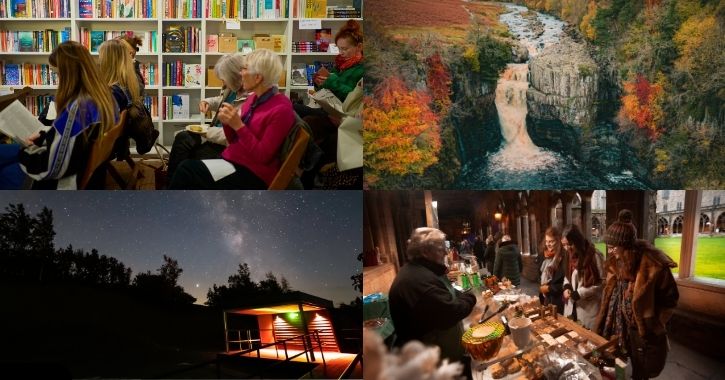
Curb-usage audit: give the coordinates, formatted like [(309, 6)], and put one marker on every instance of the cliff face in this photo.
[(564, 80)]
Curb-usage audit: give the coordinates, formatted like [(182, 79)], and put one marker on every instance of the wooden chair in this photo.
[(100, 156), (291, 163)]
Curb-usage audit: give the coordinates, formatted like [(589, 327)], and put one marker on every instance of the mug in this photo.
[(520, 331)]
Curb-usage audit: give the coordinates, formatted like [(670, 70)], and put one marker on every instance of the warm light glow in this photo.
[(497, 216), (293, 315), (319, 316), (434, 204)]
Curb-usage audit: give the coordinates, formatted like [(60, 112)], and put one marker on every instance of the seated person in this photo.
[(255, 133), (133, 42), (85, 110), (189, 145), (117, 70), (11, 177)]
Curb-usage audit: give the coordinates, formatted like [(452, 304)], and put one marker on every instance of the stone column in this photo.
[(526, 246), (586, 216)]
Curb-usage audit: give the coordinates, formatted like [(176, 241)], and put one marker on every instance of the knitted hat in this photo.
[(621, 233)]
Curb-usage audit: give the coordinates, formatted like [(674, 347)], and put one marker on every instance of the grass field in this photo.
[(709, 260)]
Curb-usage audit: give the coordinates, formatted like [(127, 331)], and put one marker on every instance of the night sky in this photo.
[(310, 238)]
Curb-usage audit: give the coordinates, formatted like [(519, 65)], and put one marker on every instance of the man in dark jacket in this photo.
[(423, 304), (508, 261), (479, 249)]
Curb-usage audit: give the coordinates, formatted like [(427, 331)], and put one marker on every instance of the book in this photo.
[(26, 41), (85, 8), (192, 75), (12, 74), (299, 74), (18, 123), (19, 8), (212, 43), (245, 46), (97, 38), (180, 106), (323, 37), (126, 9)]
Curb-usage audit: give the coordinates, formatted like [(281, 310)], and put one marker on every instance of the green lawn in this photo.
[(709, 260)]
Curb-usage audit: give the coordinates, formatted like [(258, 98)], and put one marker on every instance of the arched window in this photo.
[(662, 227), (705, 224), (677, 225)]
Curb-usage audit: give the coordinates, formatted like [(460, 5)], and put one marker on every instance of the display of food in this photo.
[(484, 341)]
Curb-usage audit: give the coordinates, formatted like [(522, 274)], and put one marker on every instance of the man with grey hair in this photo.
[(423, 304)]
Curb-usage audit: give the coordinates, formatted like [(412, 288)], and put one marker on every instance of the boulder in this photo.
[(564, 82)]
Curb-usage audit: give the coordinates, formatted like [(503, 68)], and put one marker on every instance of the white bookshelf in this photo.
[(289, 27)]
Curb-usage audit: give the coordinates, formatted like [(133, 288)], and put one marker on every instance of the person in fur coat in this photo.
[(639, 297)]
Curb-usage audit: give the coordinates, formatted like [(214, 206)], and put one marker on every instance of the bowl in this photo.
[(484, 341)]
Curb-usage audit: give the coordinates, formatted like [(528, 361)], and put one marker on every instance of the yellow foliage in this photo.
[(690, 37), (586, 26), (662, 158), (471, 55)]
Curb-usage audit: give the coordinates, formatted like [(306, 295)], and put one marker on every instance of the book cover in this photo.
[(245, 46), (311, 70), (318, 8), (20, 8), (97, 38), (126, 9), (12, 74), (323, 38), (26, 42), (85, 8), (180, 106), (192, 75), (299, 74), (212, 43)]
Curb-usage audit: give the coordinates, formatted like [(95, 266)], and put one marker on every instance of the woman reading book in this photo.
[(347, 71), (190, 145), (85, 110)]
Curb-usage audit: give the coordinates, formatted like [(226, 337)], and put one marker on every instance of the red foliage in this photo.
[(439, 83), (641, 105), (402, 135)]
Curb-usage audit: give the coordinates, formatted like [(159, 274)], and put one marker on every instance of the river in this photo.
[(519, 162)]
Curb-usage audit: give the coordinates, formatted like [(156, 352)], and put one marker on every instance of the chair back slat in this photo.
[(101, 153), (291, 163)]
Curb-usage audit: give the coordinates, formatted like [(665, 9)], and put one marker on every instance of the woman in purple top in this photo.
[(255, 133)]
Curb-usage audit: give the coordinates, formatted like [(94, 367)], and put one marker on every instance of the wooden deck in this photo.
[(336, 362)]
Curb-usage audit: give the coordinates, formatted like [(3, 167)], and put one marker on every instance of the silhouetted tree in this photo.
[(162, 287), (170, 271), (241, 286)]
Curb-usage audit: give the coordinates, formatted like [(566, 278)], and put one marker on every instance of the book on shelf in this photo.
[(180, 106), (299, 74), (192, 75), (11, 74), (212, 43), (85, 8), (18, 123), (26, 42), (126, 9), (19, 8), (245, 46), (322, 38)]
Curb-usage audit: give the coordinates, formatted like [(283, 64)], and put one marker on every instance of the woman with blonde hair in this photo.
[(85, 110), (255, 133), (117, 70), (189, 145)]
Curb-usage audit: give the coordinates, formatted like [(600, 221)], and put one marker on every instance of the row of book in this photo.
[(303, 73), (34, 8), (152, 104), (247, 9), (92, 39), (31, 74), (117, 8), (32, 41), (37, 103), (183, 74), (175, 106), (182, 8), (179, 39), (149, 73), (343, 12)]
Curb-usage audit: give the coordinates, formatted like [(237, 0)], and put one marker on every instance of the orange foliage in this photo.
[(401, 133), (439, 83), (641, 104)]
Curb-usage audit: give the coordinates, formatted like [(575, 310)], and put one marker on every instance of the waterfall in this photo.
[(511, 106)]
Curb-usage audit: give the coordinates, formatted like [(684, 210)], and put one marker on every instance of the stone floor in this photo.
[(683, 363)]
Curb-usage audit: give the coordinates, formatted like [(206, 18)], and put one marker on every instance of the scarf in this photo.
[(343, 64), (549, 253), (257, 102)]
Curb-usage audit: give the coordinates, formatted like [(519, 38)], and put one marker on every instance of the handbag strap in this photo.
[(164, 159)]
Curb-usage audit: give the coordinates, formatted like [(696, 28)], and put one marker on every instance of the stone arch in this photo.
[(721, 222), (677, 225), (662, 226), (705, 225)]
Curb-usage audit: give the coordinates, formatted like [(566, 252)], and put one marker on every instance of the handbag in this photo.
[(349, 144), (161, 173)]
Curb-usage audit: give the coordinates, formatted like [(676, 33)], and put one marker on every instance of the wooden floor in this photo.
[(336, 362)]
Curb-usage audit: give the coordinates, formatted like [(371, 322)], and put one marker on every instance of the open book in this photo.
[(18, 123), (329, 102)]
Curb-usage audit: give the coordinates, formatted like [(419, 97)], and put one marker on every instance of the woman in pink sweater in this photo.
[(255, 133)]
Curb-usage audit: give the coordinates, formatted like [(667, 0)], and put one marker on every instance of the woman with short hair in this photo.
[(255, 133), (188, 145)]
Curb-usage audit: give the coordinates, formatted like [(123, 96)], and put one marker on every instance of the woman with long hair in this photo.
[(85, 110), (133, 43), (552, 269), (583, 278), (640, 295)]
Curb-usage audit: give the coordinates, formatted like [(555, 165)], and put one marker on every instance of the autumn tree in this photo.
[(439, 83), (641, 105), (402, 134)]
